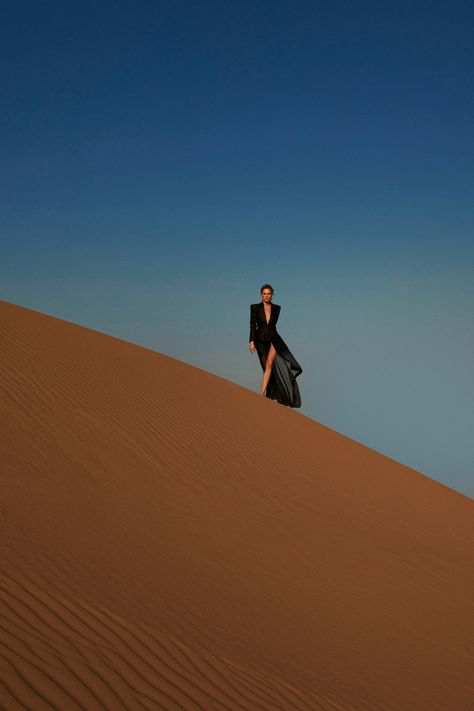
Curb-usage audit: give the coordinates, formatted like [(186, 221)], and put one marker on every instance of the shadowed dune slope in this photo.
[(171, 540)]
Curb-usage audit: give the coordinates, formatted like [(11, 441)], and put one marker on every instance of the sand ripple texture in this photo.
[(170, 540)]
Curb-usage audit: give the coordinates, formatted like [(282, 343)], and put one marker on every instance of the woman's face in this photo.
[(266, 296)]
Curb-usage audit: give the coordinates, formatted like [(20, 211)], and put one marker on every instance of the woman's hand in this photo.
[(252, 347)]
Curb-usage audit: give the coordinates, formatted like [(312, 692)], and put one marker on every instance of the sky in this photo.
[(160, 161)]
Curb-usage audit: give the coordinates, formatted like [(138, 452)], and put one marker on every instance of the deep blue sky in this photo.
[(160, 161)]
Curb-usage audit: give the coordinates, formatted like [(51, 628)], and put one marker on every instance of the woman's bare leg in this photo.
[(268, 368)]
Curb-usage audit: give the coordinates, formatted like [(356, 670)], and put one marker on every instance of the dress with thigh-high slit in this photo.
[(282, 385)]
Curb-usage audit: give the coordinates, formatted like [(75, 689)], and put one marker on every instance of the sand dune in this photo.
[(171, 540)]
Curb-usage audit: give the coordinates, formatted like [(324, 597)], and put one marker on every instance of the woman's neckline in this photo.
[(270, 317)]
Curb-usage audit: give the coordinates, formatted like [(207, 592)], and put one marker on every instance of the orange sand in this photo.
[(171, 540)]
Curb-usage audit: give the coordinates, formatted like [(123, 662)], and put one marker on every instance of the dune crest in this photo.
[(170, 540)]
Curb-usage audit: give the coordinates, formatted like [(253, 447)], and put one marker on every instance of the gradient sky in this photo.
[(160, 161)]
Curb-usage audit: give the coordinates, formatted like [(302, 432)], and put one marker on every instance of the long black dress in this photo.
[(282, 385)]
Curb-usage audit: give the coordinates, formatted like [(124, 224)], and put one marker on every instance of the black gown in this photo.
[(282, 385)]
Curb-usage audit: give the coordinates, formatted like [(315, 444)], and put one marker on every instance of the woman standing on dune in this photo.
[(280, 368)]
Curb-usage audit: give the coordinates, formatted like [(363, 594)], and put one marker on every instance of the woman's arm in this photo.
[(253, 324)]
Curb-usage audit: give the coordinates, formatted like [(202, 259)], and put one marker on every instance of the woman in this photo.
[(280, 369)]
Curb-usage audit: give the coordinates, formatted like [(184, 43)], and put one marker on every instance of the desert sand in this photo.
[(170, 540)]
